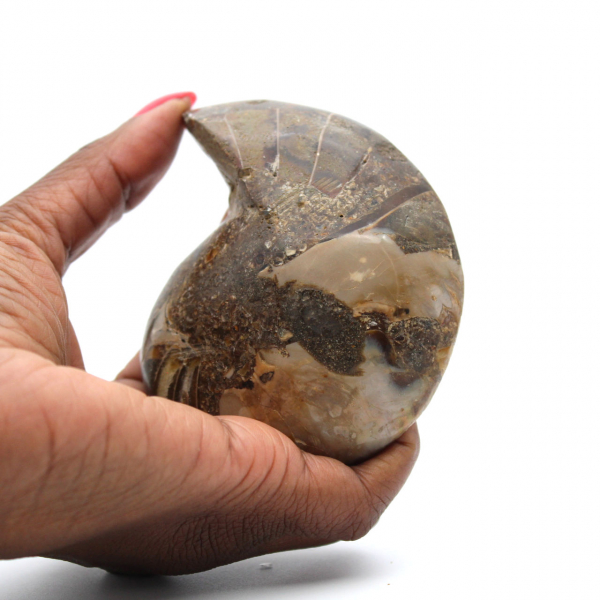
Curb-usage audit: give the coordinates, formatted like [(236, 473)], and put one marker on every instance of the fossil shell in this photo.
[(328, 301)]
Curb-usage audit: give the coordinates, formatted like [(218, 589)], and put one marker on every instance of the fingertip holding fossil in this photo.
[(328, 301), (190, 97)]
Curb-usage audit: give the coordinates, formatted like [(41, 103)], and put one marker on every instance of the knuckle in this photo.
[(345, 511), (355, 525), (332, 521), (27, 225), (16, 248), (212, 539), (17, 219), (378, 502), (194, 544), (363, 514)]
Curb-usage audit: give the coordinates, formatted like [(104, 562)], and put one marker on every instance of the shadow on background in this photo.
[(338, 564)]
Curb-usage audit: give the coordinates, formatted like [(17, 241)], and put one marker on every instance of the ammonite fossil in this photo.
[(327, 302)]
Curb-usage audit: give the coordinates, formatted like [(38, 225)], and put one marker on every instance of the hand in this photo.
[(99, 473)]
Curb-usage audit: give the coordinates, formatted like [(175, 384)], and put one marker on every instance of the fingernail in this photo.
[(180, 95)]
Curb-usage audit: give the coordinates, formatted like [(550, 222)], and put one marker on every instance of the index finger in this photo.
[(68, 209)]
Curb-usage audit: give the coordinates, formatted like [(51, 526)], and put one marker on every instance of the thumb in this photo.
[(68, 209)]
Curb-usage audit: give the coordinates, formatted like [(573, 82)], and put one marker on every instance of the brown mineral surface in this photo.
[(328, 302)]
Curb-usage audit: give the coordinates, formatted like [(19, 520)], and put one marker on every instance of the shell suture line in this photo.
[(234, 141), (319, 147)]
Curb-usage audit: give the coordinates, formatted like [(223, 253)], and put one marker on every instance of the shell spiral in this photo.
[(328, 301)]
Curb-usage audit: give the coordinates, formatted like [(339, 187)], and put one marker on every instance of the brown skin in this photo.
[(101, 474)]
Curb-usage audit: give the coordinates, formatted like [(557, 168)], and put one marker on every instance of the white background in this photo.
[(497, 103)]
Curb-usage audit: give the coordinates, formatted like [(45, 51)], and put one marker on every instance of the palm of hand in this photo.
[(100, 473)]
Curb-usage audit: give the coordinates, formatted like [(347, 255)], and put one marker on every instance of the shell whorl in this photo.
[(273, 151)]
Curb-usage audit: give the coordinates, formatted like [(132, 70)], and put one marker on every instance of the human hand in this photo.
[(101, 474)]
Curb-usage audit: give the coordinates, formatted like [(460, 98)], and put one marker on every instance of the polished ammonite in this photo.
[(327, 302)]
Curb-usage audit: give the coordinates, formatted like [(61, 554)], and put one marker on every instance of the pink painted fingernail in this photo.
[(164, 99)]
